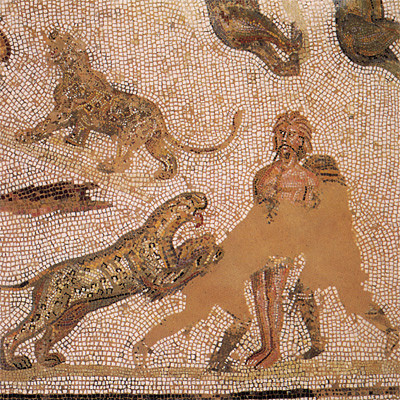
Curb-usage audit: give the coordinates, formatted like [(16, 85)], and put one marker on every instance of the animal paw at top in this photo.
[(5, 48)]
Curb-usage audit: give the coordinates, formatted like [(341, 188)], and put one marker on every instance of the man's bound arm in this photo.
[(325, 167)]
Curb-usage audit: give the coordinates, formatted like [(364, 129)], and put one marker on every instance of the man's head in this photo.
[(292, 133)]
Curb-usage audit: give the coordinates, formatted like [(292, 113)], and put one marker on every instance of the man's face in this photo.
[(289, 140)]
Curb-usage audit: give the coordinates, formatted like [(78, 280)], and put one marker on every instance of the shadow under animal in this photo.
[(365, 35), (241, 25), (85, 101), (142, 261)]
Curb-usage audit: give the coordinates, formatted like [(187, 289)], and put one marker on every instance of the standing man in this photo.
[(324, 233)]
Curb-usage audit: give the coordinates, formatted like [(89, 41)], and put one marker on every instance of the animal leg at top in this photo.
[(365, 35), (241, 25)]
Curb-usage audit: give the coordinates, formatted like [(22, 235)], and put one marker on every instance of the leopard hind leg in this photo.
[(55, 332), (157, 147), (30, 327), (127, 140)]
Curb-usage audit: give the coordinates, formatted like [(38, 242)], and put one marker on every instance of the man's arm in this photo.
[(325, 168)]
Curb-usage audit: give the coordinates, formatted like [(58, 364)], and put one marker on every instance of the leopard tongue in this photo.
[(198, 219)]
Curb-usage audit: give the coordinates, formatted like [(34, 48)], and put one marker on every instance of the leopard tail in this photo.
[(19, 286), (237, 120)]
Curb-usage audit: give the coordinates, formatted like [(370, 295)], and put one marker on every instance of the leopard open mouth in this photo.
[(198, 218)]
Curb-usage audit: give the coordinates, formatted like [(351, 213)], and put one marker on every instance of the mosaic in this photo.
[(199, 199)]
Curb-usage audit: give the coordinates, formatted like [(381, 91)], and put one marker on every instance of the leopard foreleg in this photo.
[(126, 144), (11, 341), (78, 136), (53, 122)]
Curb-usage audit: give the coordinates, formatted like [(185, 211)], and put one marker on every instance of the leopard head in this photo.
[(189, 206), (168, 218), (65, 51)]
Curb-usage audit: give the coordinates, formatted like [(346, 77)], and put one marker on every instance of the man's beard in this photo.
[(286, 153)]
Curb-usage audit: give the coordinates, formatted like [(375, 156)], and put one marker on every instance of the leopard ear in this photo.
[(74, 38)]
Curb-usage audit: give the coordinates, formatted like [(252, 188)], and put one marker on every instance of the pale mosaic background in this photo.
[(167, 52)]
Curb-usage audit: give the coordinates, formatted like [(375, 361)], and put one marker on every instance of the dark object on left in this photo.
[(60, 196), (365, 35), (5, 47), (240, 25)]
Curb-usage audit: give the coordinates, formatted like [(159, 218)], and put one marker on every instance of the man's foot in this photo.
[(263, 359)]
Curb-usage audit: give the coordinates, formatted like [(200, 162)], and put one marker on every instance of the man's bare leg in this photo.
[(268, 286), (260, 281)]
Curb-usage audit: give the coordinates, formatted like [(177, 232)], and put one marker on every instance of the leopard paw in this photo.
[(52, 359), (25, 136), (18, 362)]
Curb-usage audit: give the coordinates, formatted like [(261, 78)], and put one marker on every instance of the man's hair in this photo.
[(294, 118)]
